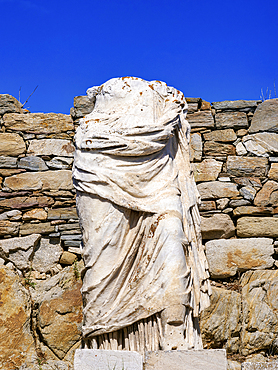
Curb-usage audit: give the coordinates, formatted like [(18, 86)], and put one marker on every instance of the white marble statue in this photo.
[(145, 280)]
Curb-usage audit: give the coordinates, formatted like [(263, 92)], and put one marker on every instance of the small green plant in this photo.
[(28, 280), (40, 363), (76, 270)]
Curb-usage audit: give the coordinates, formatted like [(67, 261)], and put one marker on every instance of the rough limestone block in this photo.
[(259, 311), (226, 257), (217, 189), (261, 143), (207, 170), (19, 251), (235, 104), (9, 104), (44, 180), (88, 359), (186, 360), (268, 195), (273, 365), (231, 120), (246, 166), (16, 340), (212, 148), (265, 117), (59, 147), (32, 164), (221, 135), (11, 144), (47, 255), (38, 122), (273, 172), (7, 162), (201, 119), (196, 147), (217, 226), (82, 105), (257, 226), (220, 323)]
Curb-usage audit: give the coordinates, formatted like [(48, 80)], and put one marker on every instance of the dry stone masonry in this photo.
[(234, 153)]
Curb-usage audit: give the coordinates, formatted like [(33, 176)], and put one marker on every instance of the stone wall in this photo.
[(234, 153), (234, 147)]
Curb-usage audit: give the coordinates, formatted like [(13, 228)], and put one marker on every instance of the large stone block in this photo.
[(16, 341), (259, 311), (38, 123), (201, 119), (82, 105), (9, 104), (273, 172), (220, 323), (19, 251), (247, 166), (35, 214), (234, 120), (62, 213), (40, 228), (272, 365), (7, 162), (9, 228), (58, 313), (248, 227), (47, 255), (207, 170), (186, 360), (227, 257), (196, 147), (221, 135), (60, 320), (11, 144), (46, 180), (59, 147), (265, 117), (60, 163), (217, 226), (217, 189), (268, 195), (262, 143), (212, 148), (235, 104), (87, 359), (252, 211), (26, 202), (32, 164)]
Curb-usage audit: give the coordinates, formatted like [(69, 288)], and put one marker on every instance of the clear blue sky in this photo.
[(216, 50)]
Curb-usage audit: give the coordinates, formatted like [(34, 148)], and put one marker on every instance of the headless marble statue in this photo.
[(145, 280)]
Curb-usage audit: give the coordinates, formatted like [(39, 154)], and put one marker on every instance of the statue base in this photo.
[(88, 359)]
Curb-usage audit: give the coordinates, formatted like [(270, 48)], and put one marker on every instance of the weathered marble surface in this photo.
[(272, 365), (186, 360), (137, 203), (87, 359)]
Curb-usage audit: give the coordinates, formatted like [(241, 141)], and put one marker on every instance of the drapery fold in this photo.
[(137, 203)]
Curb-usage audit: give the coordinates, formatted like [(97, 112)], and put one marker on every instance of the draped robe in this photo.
[(137, 203)]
